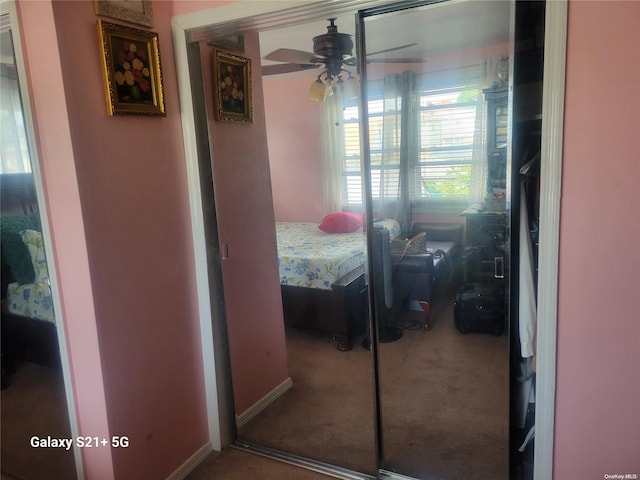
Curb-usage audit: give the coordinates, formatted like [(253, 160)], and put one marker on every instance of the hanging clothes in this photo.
[(527, 297), (527, 310)]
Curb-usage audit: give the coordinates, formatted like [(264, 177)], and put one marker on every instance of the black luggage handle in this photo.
[(498, 267)]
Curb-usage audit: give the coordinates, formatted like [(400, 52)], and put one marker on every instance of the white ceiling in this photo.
[(436, 29)]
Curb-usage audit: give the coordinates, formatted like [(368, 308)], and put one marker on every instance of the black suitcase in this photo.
[(480, 308)]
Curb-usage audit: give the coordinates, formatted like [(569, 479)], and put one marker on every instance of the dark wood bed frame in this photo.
[(27, 339), (340, 312)]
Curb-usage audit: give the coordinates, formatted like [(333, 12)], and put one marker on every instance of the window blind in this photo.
[(442, 169)]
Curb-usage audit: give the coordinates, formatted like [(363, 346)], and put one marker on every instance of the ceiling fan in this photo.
[(333, 50)]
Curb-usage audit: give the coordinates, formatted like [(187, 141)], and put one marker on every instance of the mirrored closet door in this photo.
[(33, 394), (436, 117), (424, 156)]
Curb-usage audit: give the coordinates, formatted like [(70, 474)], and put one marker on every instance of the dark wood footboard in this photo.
[(28, 339), (340, 312)]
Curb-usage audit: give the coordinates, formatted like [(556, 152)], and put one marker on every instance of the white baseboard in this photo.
[(263, 403), (192, 462)]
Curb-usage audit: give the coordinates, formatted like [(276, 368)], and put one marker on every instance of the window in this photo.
[(447, 125), (383, 141), (14, 152), (441, 169)]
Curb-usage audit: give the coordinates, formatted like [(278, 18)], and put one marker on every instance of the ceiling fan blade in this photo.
[(286, 68), (353, 61), (289, 55)]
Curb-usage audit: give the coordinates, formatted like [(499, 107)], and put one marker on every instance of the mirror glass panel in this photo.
[(438, 115), (33, 395), (431, 127), (326, 411)]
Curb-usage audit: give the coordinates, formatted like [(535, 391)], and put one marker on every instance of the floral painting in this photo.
[(131, 67), (232, 87), (132, 73)]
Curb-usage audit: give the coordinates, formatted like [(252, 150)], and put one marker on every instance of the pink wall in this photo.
[(295, 149), (597, 420), (246, 225), (129, 188)]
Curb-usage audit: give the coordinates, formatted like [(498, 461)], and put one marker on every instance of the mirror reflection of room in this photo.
[(431, 163), (33, 396), (451, 87), (326, 409), (428, 186)]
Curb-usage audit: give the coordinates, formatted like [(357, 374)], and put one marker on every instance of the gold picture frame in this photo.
[(232, 87), (134, 11), (131, 70)]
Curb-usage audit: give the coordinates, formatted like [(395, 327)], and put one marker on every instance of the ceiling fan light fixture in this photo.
[(331, 49), (317, 90), (327, 83)]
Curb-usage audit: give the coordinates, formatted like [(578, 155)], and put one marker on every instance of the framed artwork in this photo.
[(134, 11), (232, 87), (131, 70)]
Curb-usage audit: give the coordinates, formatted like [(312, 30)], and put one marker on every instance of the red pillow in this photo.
[(341, 222)]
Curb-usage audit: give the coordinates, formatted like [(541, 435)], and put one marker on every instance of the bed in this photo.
[(322, 279), (322, 275)]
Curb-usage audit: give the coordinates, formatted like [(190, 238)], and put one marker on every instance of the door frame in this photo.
[(231, 17)]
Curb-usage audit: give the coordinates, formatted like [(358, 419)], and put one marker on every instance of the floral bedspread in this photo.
[(309, 257), (32, 300)]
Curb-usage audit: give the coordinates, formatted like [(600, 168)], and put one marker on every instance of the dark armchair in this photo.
[(414, 282), (400, 283)]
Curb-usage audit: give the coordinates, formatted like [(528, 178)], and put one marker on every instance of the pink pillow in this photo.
[(341, 222)]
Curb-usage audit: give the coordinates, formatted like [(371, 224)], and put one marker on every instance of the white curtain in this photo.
[(15, 152), (489, 69), (333, 151)]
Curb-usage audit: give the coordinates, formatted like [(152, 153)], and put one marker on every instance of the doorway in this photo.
[(323, 12)]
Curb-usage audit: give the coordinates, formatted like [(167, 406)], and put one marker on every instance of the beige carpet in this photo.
[(451, 423), (444, 400), (234, 464), (328, 414), (34, 404), (445, 403)]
